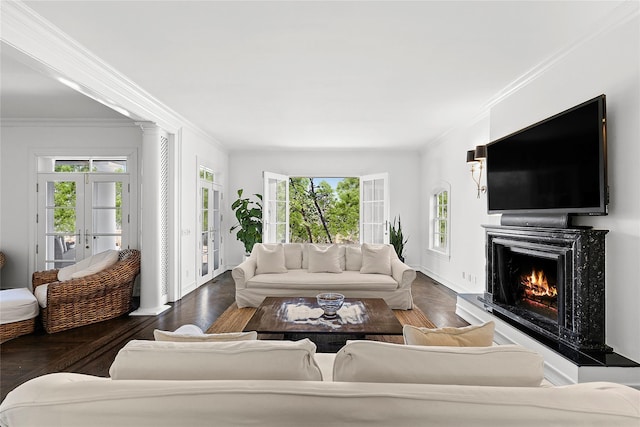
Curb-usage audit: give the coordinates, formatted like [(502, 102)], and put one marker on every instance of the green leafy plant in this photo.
[(396, 238), (249, 216)]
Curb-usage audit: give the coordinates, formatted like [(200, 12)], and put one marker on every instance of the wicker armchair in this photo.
[(90, 299)]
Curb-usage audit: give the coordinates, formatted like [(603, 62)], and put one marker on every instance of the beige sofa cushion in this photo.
[(468, 336), (192, 333), (353, 258), (305, 254), (293, 256), (506, 365), (239, 360), (376, 259), (270, 259), (324, 259), (302, 279), (88, 266)]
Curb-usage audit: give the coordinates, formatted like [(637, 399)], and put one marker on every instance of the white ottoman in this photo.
[(18, 312)]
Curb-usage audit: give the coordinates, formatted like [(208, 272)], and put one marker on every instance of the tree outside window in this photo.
[(322, 213)]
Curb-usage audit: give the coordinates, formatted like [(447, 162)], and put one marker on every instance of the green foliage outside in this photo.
[(320, 214), (64, 199)]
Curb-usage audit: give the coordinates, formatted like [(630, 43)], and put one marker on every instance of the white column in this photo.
[(151, 277)]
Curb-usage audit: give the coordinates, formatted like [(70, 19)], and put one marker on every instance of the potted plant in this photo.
[(396, 238), (249, 216)]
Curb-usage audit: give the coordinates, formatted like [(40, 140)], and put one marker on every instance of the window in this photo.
[(439, 223), (312, 209)]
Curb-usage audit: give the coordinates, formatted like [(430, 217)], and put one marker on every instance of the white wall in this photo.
[(195, 150), (445, 162), (18, 144), (245, 171), (608, 62)]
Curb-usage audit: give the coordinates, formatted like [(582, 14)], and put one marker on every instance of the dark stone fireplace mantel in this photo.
[(580, 257)]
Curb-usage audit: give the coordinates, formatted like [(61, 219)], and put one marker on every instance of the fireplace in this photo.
[(550, 282)]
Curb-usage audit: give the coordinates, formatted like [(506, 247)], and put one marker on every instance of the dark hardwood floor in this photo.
[(91, 349)]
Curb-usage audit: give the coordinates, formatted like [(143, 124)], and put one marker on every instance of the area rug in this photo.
[(234, 319)]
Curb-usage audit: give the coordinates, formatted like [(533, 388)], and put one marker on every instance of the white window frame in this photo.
[(435, 219)]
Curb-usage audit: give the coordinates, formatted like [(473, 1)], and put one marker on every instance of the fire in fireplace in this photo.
[(538, 294)]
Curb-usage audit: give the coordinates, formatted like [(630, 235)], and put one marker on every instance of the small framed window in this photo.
[(89, 165), (439, 227), (206, 174)]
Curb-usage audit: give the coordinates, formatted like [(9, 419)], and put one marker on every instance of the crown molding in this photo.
[(622, 14), (50, 50), (71, 122)]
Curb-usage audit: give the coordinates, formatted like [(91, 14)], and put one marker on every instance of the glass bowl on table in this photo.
[(330, 302)]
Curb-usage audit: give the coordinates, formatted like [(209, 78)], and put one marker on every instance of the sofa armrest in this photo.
[(43, 277), (243, 272), (402, 273)]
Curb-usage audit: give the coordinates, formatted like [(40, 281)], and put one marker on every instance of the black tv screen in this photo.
[(558, 165)]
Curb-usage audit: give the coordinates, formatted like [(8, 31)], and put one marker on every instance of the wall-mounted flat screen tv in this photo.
[(558, 165)]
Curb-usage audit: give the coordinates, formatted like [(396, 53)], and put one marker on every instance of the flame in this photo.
[(536, 284)]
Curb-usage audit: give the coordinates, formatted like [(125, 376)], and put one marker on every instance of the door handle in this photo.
[(86, 238)]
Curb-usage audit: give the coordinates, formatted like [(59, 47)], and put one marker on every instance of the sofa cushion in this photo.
[(353, 258), (305, 254), (239, 360), (192, 333), (17, 305), (376, 259), (505, 365), (324, 259), (302, 279), (293, 256), (468, 336), (88, 266), (270, 259)]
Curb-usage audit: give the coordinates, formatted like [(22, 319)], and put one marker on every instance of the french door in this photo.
[(275, 213), (209, 231), (79, 215), (374, 208)]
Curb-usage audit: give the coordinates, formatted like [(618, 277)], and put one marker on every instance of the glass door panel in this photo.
[(275, 215), (107, 206), (204, 233), (374, 205), (58, 226)]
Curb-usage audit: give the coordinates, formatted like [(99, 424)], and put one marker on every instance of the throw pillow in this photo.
[(324, 260), (305, 254), (89, 266), (293, 256), (270, 259), (468, 336), (376, 259), (192, 333), (504, 365), (237, 360), (353, 257)]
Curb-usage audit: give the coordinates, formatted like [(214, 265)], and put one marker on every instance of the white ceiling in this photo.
[(305, 74)]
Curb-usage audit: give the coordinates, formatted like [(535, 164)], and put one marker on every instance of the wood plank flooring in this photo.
[(91, 349)]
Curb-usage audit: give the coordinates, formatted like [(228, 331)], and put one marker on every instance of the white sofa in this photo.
[(357, 276), (153, 384)]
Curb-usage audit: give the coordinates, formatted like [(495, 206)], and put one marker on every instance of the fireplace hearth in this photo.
[(550, 282)]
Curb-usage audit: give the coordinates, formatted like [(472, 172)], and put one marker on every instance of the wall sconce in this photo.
[(476, 158)]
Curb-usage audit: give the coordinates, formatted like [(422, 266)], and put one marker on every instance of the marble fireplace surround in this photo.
[(580, 255)]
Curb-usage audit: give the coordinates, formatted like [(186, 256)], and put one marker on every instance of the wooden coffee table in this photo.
[(301, 317)]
